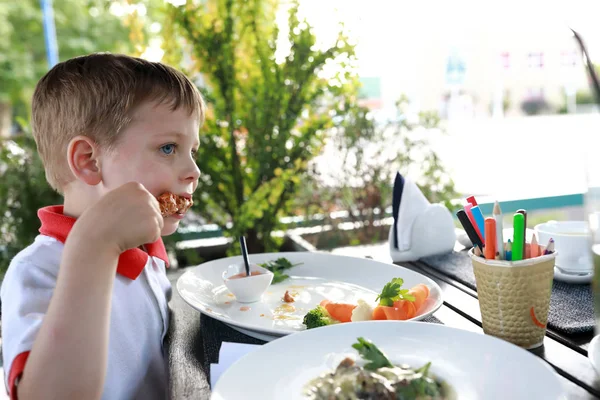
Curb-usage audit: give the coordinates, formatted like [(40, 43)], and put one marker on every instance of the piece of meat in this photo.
[(168, 204), (287, 297), (183, 204), (171, 203)]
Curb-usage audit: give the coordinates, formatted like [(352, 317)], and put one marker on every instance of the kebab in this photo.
[(173, 204)]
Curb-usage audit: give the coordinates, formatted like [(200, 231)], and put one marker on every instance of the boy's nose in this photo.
[(192, 172)]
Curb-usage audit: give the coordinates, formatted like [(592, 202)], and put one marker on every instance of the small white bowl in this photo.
[(248, 289)]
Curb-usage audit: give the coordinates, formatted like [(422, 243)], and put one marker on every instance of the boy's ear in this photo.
[(83, 155)]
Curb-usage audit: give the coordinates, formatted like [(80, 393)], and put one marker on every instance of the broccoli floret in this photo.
[(317, 317)]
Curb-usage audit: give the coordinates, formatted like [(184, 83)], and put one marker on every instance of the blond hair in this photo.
[(95, 96)]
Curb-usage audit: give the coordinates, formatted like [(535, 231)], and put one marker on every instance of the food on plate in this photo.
[(339, 311), (394, 303), (317, 317), (287, 297), (277, 267), (243, 275), (376, 377), (173, 204), (362, 312)]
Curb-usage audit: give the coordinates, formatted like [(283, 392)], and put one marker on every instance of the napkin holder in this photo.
[(420, 229)]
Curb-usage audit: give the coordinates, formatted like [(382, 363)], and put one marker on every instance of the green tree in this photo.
[(82, 27), (23, 191), (268, 113), (369, 154)]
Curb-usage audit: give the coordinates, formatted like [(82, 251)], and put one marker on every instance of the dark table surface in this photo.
[(194, 340)]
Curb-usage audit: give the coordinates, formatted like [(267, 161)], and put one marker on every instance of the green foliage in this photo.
[(392, 291), (371, 353), (82, 27), (584, 97), (23, 191), (268, 113), (277, 267), (370, 154)]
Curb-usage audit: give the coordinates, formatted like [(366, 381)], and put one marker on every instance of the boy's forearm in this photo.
[(69, 356)]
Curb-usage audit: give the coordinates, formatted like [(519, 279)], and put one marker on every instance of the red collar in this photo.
[(131, 263)]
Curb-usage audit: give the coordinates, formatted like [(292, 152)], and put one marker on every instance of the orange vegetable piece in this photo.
[(420, 293), (339, 311), (379, 313), (402, 310)]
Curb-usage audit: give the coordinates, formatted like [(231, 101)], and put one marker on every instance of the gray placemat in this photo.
[(571, 306)]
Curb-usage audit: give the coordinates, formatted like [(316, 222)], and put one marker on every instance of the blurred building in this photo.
[(499, 61)]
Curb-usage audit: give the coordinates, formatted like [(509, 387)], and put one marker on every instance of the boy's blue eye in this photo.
[(168, 149)]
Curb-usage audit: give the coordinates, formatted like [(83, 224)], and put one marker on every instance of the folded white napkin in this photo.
[(228, 354), (420, 229)]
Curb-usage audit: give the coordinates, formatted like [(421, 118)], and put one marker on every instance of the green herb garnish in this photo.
[(277, 267), (392, 291), (371, 353)]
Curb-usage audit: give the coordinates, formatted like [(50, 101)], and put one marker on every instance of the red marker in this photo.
[(472, 219), (490, 239), (471, 200)]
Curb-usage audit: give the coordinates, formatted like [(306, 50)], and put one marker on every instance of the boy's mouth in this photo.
[(174, 205)]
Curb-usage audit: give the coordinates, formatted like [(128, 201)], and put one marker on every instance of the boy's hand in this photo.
[(124, 218)]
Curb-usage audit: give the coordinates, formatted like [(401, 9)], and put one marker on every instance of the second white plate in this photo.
[(319, 276)]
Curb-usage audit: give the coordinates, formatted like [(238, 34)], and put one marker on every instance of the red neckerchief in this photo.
[(131, 263)]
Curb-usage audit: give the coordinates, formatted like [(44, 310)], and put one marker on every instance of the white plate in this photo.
[(594, 353), (477, 366), (573, 278), (319, 276)]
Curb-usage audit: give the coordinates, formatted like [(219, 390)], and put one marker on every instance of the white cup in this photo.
[(572, 241)]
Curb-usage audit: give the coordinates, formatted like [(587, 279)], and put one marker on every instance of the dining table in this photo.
[(194, 339)]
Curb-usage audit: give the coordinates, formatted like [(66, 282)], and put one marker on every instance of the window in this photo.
[(568, 58), (505, 60), (534, 93), (535, 59)]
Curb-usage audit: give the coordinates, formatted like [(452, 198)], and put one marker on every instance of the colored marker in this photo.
[(479, 220), (469, 213), (509, 251), (468, 227), (550, 247), (490, 239), (497, 213), (535, 247), (471, 200), (518, 250), (477, 251), (524, 212)]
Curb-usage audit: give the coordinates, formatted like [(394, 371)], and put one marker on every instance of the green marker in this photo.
[(518, 237)]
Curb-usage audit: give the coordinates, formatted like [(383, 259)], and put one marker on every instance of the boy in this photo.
[(84, 307)]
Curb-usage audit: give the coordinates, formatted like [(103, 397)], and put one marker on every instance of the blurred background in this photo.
[(315, 105)]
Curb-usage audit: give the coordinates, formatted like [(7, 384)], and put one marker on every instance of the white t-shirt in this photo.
[(139, 319)]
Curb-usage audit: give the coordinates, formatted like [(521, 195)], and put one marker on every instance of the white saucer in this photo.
[(573, 278), (594, 353)]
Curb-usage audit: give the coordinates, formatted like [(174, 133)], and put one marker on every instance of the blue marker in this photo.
[(479, 220), (509, 251)]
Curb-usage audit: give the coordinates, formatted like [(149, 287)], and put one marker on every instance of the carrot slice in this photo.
[(379, 313), (420, 293), (340, 311), (402, 310)]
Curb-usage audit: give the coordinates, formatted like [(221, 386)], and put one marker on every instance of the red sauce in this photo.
[(243, 275), (244, 308)]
